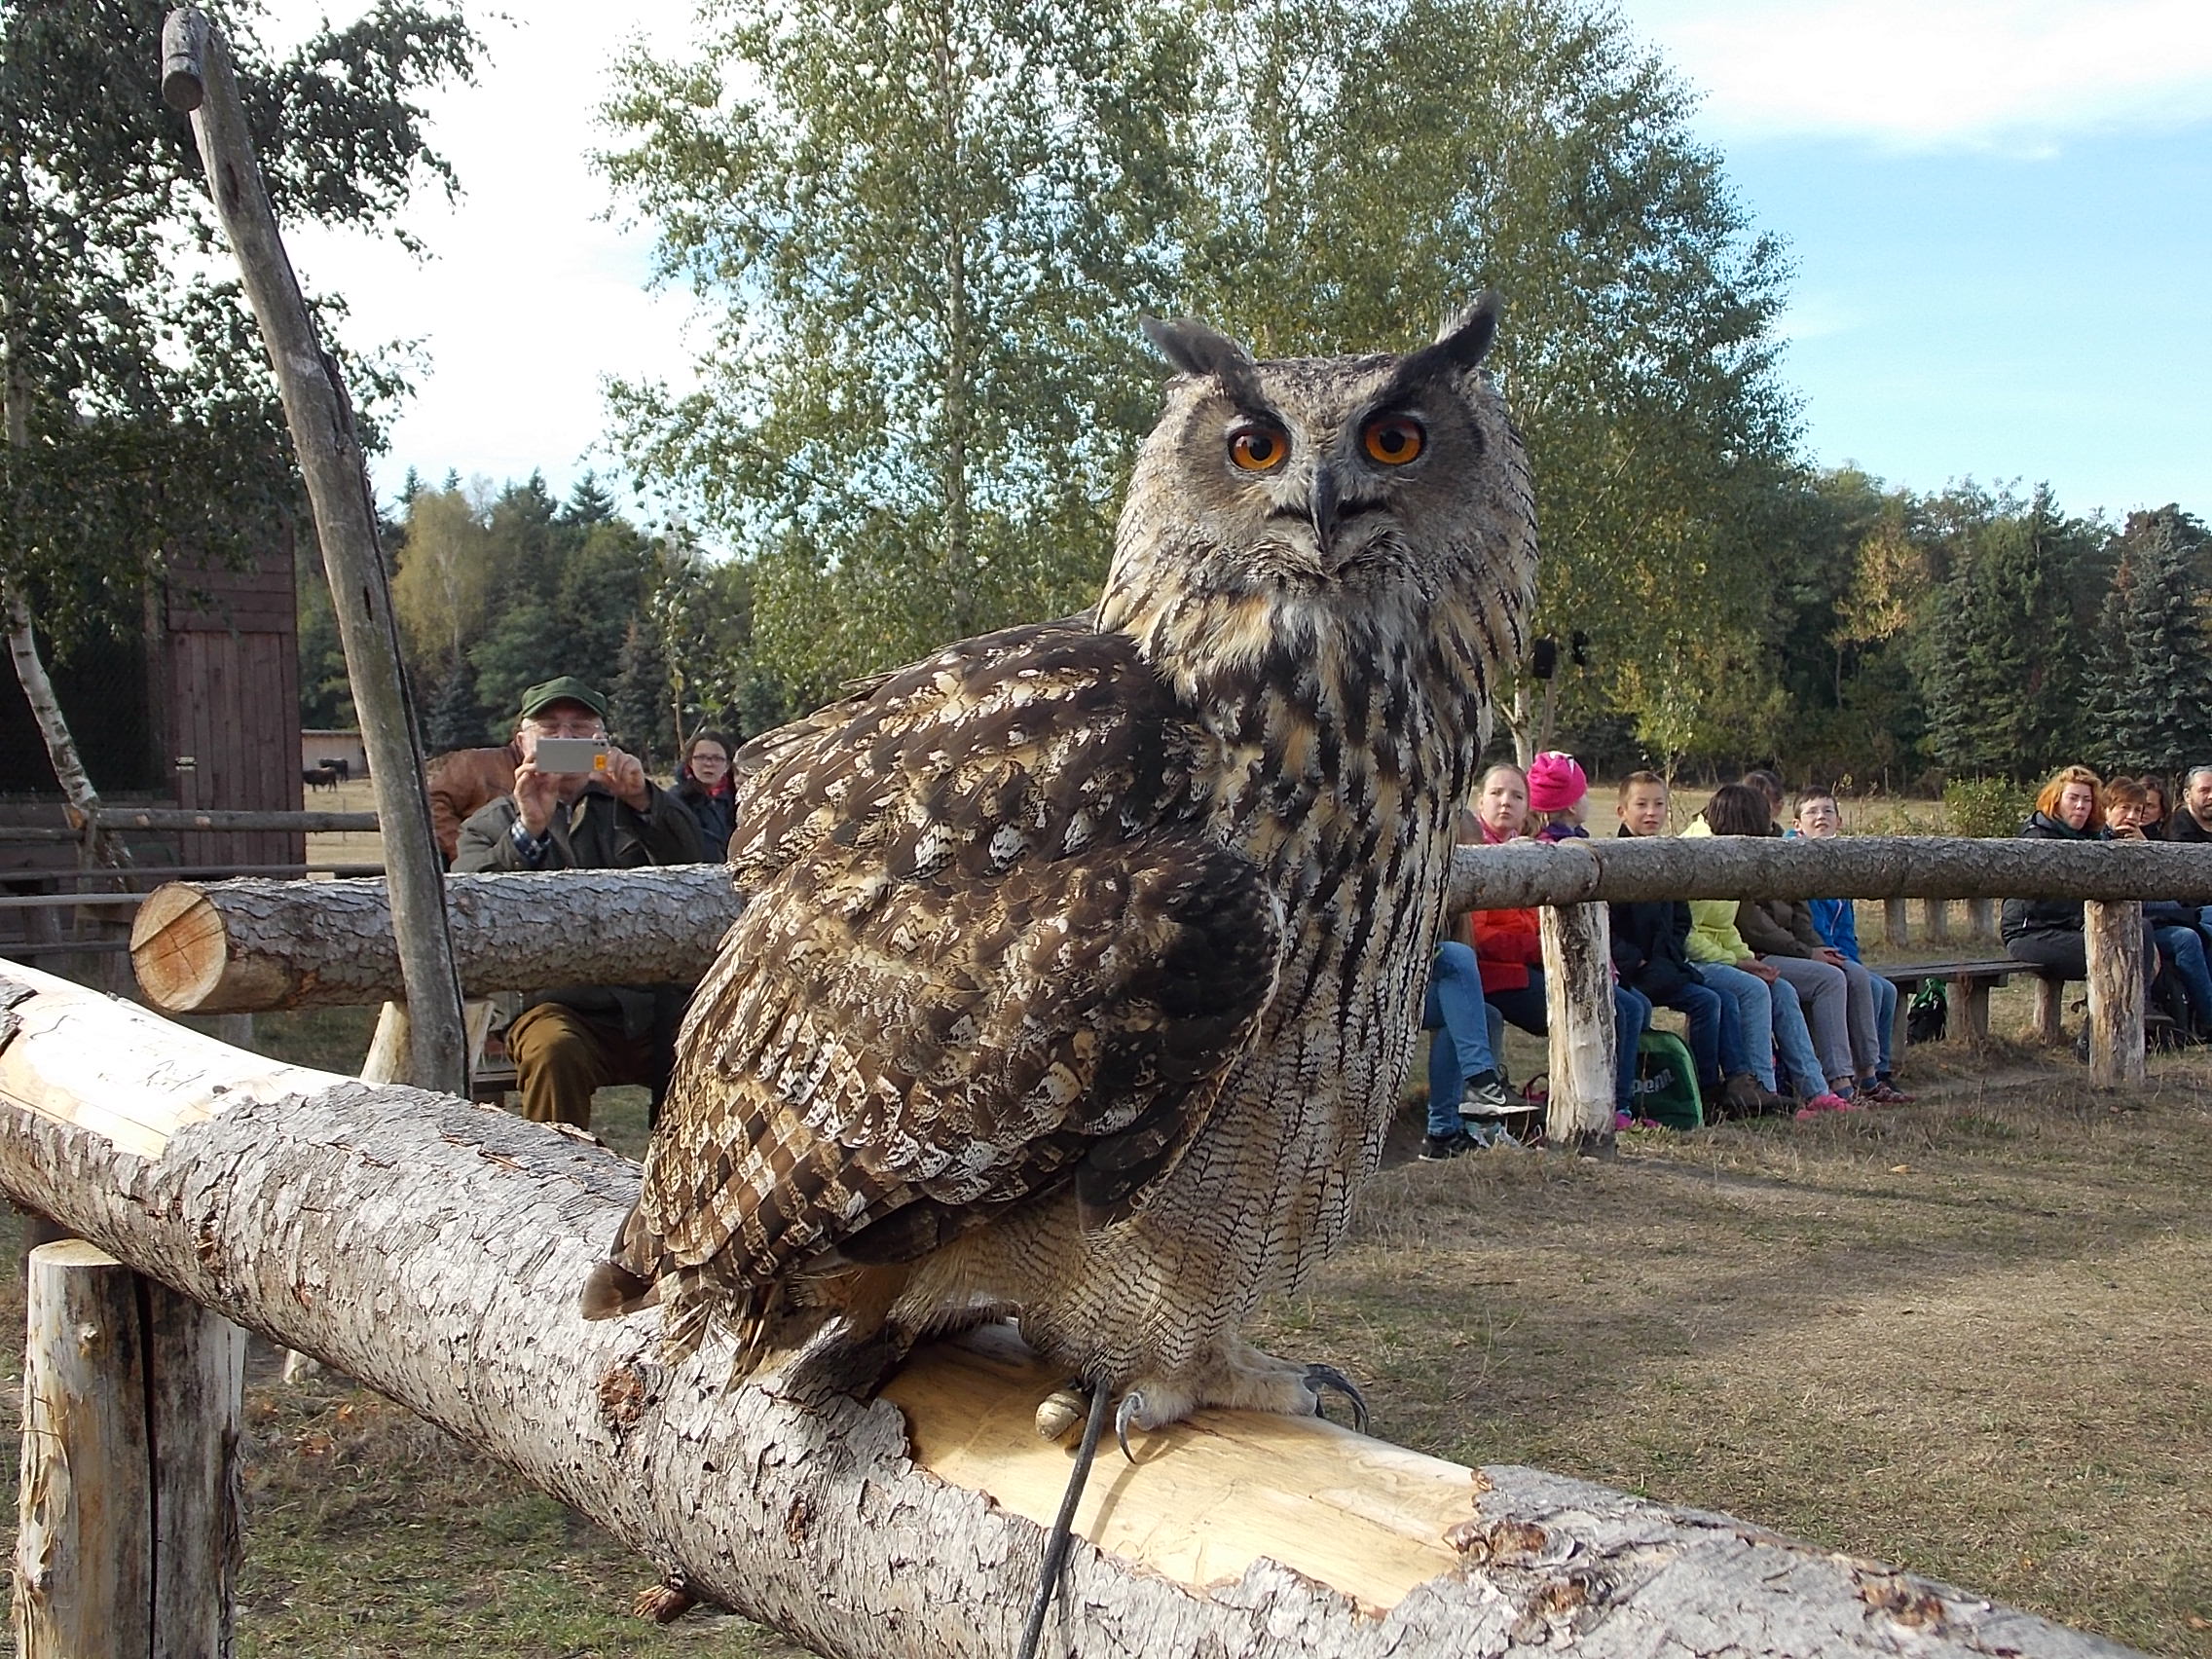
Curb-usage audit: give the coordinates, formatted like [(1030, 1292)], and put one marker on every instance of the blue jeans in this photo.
[(1464, 1045), (1747, 994), (1631, 1019), (1632, 1015), (1794, 1038), (2183, 948), (1717, 1036), (1885, 1016)]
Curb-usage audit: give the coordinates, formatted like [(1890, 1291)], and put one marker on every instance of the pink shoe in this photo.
[(1821, 1104)]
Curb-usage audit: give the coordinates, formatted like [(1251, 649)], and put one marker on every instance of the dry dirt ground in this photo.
[(1972, 1335)]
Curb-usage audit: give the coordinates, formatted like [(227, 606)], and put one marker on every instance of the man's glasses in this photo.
[(565, 729)]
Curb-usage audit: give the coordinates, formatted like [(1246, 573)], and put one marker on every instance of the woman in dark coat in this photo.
[(2046, 932), (703, 786)]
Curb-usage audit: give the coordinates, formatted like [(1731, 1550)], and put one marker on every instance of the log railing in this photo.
[(434, 1249), (244, 946)]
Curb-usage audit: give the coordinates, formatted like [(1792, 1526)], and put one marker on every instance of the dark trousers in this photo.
[(2068, 954)]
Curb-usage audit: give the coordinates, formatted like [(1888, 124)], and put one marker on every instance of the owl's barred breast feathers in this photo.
[(1080, 962)]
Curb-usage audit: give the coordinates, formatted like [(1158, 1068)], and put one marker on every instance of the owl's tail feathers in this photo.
[(630, 1278), (613, 1290)]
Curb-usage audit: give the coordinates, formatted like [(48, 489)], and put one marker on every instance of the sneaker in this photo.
[(1442, 1148), (1485, 1097), (1745, 1097), (1821, 1104), (1883, 1093)]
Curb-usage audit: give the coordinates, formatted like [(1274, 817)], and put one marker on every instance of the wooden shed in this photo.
[(199, 707)]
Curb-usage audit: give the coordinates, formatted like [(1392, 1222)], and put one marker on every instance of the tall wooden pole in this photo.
[(196, 76)]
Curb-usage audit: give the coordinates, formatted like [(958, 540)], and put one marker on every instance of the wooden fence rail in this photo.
[(244, 946), (433, 1250)]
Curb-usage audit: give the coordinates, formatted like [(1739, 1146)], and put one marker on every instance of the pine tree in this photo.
[(2151, 697), (637, 710), (2008, 664), (456, 719)]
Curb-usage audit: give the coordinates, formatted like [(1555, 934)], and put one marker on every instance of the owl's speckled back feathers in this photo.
[(1080, 963)]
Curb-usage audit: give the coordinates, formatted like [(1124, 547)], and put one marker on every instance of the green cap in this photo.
[(566, 690)]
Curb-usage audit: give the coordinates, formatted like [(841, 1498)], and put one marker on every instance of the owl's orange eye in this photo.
[(1257, 449), (1392, 439)]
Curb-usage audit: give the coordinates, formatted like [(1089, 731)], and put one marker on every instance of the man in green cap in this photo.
[(567, 1041)]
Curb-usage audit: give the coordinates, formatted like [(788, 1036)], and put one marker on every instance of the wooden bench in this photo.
[(1971, 982)]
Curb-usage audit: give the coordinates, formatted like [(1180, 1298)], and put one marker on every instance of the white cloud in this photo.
[(2014, 74), (530, 295)]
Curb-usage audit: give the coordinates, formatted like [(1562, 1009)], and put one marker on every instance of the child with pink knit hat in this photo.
[(1559, 795)]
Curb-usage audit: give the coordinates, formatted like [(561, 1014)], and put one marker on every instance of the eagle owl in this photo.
[(1080, 963)]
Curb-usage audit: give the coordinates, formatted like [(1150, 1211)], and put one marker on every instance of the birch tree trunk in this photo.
[(434, 1250)]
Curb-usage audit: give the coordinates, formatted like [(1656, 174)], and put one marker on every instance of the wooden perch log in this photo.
[(245, 946), (434, 1249)]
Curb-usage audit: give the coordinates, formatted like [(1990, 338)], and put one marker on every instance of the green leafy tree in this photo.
[(2151, 696), (140, 410), (925, 231), (442, 588), (1364, 173)]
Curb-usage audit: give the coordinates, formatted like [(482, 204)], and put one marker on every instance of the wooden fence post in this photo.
[(1897, 927), (2113, 933), (1579, 995), (2050, 1009), (127, 1534)]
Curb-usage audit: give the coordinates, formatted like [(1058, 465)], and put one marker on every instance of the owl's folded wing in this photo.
[(865, 1088)]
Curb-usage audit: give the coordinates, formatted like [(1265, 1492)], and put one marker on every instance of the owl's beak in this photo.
[(1322, 509)]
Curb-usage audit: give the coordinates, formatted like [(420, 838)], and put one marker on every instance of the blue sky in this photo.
[(2000, 212)]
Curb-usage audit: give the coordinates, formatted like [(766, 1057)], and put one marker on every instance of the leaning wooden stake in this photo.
[(196, 76), (2113, 933), (126, 1540), (434, 1249), (1578, 998)]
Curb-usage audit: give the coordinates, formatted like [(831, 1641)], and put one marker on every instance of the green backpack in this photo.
[(1666, 1082)]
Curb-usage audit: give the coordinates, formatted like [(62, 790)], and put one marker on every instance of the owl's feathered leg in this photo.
[(1061, 1536), (1240, 1378)]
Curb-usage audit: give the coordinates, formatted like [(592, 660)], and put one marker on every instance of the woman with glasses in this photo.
[(704, 787)]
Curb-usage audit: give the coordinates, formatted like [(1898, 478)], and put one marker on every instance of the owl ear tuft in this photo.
[(1194, 348), (1463, 342)]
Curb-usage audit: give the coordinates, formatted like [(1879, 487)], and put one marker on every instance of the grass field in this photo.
[(1972, 1335)]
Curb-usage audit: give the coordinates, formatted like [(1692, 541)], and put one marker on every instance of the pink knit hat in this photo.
[(1556, 782)]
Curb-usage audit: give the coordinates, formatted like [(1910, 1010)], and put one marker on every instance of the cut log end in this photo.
[(179, 951)]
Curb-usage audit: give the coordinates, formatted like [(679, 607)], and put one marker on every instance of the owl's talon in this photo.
[(1132, 1404), (1326, 1378), (1062, 1409), (1062, 1536)]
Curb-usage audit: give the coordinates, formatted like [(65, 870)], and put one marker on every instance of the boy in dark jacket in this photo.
[(1650, 956)]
